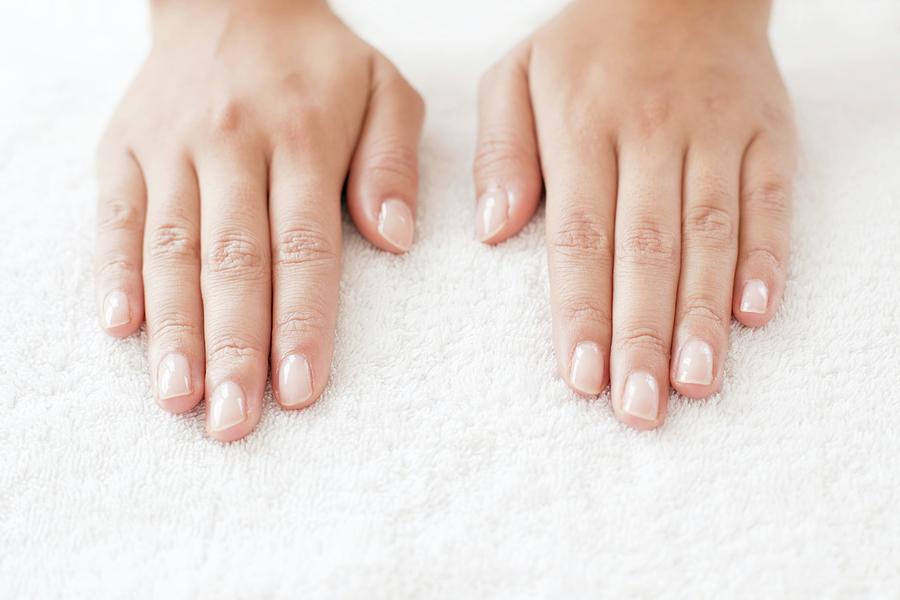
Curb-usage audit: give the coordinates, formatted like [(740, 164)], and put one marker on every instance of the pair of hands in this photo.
[(659, 129)]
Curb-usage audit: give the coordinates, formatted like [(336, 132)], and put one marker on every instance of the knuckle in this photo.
[(172, 241), (582, 236), (116, 268), (770, 197), (119, 215), (703, 310), (585, 310), (393, 158), (647, 243), (171, 327), (583, 118), (766, 257), (304, 245), (497, 151), (303, 122), (709, 225), (644, 338), (227, 114), (301, 321), (237, 252), (234, 347), (653, 112)]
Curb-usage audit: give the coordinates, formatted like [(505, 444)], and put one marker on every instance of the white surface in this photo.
[(446, 460)]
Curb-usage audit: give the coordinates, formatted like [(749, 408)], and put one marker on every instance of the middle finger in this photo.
[(645, 277)]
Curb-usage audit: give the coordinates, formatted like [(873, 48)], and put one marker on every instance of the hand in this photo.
[(663, 135), (220, 182)]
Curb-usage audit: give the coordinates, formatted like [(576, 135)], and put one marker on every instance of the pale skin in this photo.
[(663, 136), (660, 130), (220, 181)]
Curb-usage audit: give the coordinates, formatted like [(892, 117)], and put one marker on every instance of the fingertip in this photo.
[(694, 371), (501, 213), (121, 314), (181, 405), (179, 385), (296, 387), (396, 226), (640, 403), (754, 303), (585, 372), (231, 413)]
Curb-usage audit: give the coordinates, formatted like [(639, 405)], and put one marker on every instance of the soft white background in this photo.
[(446, 460)]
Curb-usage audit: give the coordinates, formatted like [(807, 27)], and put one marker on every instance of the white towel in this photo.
[(446, 459)]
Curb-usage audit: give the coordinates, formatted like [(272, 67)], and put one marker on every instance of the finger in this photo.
[(172, 283), (645, 279), (120, 224), (305, 227), (236, 283), (507, 168), (383, 183), (709, 227), (766, 182), (581, 200)]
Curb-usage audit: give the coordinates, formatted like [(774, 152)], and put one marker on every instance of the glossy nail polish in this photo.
[(755, 298), (396, 224), (491, 214), (294, 381), (587, 368), (227, 407), (695, 363), (641, 397), (173, 378), (115, 309)]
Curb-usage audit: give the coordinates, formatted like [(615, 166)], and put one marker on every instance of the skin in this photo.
[(663, 136), (220, 180)]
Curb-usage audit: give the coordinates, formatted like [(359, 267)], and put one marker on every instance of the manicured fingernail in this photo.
[(755, 298), (294, 381), (173, 377), (641, 397), (227, 407), (491, 214), (695, 363), (587, 368), (115, 309), (396, 224)]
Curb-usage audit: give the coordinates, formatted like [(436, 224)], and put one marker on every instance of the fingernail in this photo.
[(227, 407), (294, 381), (587, 368), (115, 309), (695, 363), (396, 224), (641, 397), (174, 377), (755, 298), (491, 214)]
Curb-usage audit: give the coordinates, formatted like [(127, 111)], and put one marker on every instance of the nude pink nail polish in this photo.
[(227, 407), (755, 298), (396, 224), (491, 214), (294, 381), (587, 368), (641, 397), (115, 309), (173, 379), (695, 363)]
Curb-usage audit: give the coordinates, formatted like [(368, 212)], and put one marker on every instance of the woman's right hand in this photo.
[(220, 181)]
